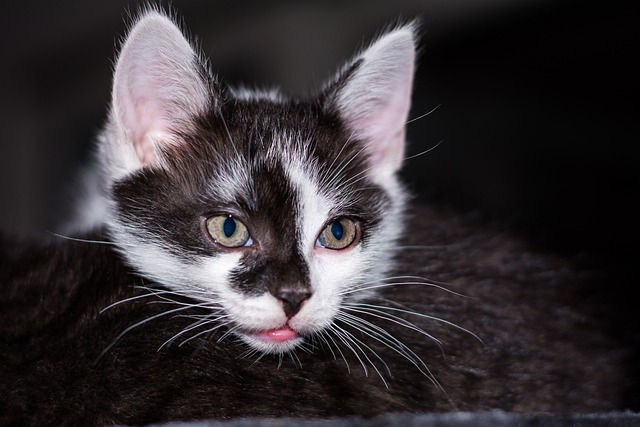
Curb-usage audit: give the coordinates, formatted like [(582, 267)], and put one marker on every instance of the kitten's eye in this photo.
[(228, 231), (338, 235)]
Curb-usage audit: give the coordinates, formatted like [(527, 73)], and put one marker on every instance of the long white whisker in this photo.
[(187, 292), (358, 325), (358, 343), (422, 153), (135, 325), (226, 128), (390, 318), (212, 318), (326, 335), (370, 309), (339, 153), (126, 300), (212, 305), (422, 247), (207, 331), (75, 239), (339, 332), (387, 285), (384, 337), (321, 337), (422, 116), (229, 332), (343, 166), (295, 359)]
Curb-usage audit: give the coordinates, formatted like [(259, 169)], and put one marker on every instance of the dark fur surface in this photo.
[(544, 342)]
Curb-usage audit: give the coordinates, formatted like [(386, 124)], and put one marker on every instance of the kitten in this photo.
[(243, 266), (272, 212)]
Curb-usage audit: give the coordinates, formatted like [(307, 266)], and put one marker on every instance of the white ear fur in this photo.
[(158, 85), (375, 98)]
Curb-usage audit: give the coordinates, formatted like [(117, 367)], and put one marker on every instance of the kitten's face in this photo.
[(270, 212)]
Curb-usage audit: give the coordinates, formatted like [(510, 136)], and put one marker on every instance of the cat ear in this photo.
[(159, 85), (373, 95)]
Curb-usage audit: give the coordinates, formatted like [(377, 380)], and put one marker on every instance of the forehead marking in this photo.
[(313, 206), (231, 180)]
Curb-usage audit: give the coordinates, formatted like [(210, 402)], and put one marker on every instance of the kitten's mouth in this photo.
[(277, 340), (279, 335)]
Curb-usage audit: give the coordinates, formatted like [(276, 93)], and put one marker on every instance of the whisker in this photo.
[(295, 359), (378, 330), (371, 309), (355, 323), (226, 128), (340, 152), (207, 331), (339, 334), (384, 337), (331, 179), (184, 293), (422, 247), (422, 153), (321, 337), (308, 347), (390, 284), (213, 303), (138, 324), (229, 332), (212, 318), (137, 297), (334, 176), (326, 335), (75, 239), (422, 116), (358, 343)]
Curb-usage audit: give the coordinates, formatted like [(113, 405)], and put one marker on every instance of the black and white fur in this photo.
[(179, 146)]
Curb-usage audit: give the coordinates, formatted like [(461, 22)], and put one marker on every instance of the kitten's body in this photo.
[(541, 351), (263, 231)]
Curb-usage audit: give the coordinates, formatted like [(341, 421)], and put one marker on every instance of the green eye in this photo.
[(228, 231), (338, 235)]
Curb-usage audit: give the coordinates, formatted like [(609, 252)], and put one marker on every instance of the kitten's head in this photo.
[(273, 212)]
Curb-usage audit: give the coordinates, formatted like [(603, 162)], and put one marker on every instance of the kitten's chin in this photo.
[(280, 340)]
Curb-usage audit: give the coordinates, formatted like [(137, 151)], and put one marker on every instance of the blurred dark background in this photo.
[(537, 104), (535, 99)]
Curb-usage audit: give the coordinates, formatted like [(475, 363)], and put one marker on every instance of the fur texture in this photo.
[(543, 349)]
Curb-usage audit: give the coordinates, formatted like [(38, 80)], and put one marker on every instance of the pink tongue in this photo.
[(278, 335)]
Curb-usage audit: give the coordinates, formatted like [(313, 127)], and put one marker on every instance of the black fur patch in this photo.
[(169, 204)]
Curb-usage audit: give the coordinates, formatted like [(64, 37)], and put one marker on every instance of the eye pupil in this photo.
[(337, 229), (229, 226), (228, 231), (339, 234)]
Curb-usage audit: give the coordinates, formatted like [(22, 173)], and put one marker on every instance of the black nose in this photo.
[(292, 300)]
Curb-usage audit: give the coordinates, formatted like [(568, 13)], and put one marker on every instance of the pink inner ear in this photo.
[(148, 127), (375, 99), (143, 111), (383, 127), (158, 86)]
